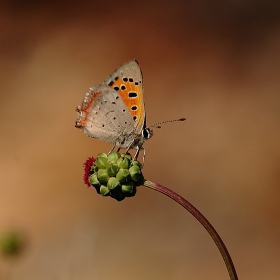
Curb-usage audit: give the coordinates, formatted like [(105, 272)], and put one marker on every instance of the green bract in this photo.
[(123, 176), (116, 175), (94, 180), (101, 162), (112, 169), (102, 155), (113, 183), (123, 163), (114, 156), (104, 190), (102, 176), (135, 172)]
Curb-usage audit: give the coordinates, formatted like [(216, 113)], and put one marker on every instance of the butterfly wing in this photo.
[(128, 82), (104, 115)]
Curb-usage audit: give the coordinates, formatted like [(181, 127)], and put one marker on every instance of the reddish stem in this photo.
[(206, 224)]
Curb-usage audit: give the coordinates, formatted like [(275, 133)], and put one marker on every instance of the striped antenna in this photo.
[(157, 125)]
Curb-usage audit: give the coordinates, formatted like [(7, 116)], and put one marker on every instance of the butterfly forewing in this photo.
[(128, 82), (104, 115)]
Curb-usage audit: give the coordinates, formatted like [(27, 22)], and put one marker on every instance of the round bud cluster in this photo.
[(115, 175)]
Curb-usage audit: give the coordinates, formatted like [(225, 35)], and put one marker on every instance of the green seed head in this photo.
[(115, 175)]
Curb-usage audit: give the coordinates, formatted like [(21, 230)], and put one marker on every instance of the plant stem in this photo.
[(206, 224)]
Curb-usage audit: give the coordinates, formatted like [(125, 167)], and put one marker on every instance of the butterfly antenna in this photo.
[(157, 125)]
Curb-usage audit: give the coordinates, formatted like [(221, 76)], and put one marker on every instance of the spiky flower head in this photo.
[(113, 175)]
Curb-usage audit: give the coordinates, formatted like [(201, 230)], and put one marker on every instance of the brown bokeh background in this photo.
[(216, 63)]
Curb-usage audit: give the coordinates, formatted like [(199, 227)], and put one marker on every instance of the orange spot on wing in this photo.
[(130, 102)]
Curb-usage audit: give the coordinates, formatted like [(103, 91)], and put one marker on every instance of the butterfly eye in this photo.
[(147, 133)]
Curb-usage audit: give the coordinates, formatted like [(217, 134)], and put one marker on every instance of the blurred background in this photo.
[(216, 63)]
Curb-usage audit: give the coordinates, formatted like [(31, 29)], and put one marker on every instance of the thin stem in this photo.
[(206, 224)]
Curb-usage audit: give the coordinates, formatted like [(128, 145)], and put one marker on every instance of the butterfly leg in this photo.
[(129, 147), (138, 148), (144, 155), (112, 149), (137, 153)]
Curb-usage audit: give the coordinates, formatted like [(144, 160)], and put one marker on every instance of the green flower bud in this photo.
[(94, 181), (137, 163), (113, 183), (102, 155), (123, 163), (135, 172), (128, 156), (128, 188), (114, 156), (104, 190), (123, 176), (112, 169), (101, 162), (103, 176)]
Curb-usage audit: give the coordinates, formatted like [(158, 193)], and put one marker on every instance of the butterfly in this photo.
[(115, 112)]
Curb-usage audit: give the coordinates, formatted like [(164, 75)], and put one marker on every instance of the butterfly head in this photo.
[(147, 133)]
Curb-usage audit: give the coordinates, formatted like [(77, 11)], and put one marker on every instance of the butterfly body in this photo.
[(114, 111)]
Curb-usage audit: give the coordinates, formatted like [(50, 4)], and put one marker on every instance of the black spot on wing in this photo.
[(132, 94)]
